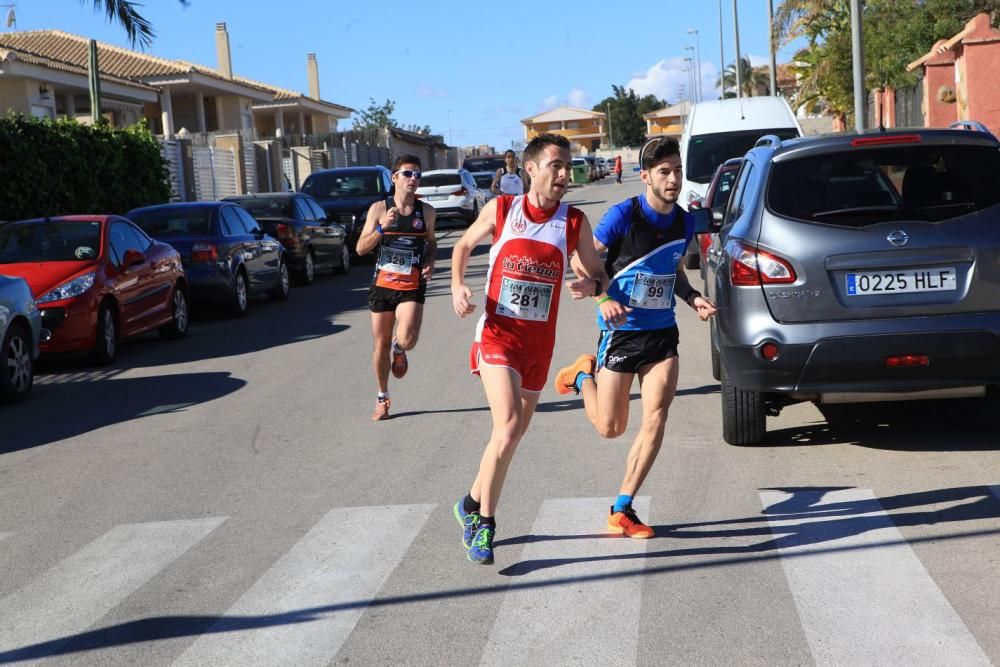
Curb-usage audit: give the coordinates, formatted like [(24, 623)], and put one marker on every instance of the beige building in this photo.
[(44, 73), (586, 130), (668, 121)]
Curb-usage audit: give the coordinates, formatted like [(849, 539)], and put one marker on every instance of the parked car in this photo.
[(227, 256), (297, 220), (96, 279), (603, 165), (477, 163), (858, 267), (20, 331), (595, 171), (452, 193), (347, 193), (721, 129), (716, 195), (484, 179)]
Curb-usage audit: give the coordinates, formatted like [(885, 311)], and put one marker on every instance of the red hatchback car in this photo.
[(96, 279)]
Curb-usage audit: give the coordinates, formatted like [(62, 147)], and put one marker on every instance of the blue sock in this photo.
[(580, 377), (621, 502)]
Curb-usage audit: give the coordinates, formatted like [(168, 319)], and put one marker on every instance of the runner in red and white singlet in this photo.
[(528, 260), (533, 235)]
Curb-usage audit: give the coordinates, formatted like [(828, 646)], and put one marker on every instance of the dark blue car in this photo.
[(347, 193), (226, 255)]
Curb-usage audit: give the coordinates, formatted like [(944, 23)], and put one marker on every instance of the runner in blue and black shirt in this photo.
[(645, 238)]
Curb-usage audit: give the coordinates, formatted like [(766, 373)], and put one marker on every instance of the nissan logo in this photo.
[(898, 237)]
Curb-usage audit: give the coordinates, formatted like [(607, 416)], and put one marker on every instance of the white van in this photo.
[(721, 129)]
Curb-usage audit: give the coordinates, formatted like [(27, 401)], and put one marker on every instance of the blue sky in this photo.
[(471, 71)]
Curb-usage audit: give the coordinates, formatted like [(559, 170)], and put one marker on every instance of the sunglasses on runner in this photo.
[(407, 173)]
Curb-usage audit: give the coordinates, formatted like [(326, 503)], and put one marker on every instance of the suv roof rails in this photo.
[(970, 125), (768, 140)]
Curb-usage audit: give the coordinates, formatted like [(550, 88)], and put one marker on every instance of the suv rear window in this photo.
[(705, 152), (350, 184), (866, 186), (483, 163), (438, 180)]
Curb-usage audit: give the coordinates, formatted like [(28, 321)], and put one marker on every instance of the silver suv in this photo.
[(856, 268)]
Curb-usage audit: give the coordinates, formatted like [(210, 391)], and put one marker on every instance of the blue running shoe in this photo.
[(468, 521), (481, 550)]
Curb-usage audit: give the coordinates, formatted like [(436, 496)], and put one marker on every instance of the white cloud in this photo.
[(577, 98), (550, 102), (668, 80)]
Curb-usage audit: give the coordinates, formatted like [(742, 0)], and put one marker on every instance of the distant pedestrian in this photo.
[(510, 179), (618, 169), (401, 230)]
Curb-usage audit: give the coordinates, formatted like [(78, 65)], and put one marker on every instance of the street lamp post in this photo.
[(690, 72), (858, 55), (722, 56), (694, 73), (737, 63), (697, 56), (770, 41)]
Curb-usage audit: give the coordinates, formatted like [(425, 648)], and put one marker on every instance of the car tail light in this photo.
[(204, 252), (756, 267), (883, 140), (461, 192), (902, 360)]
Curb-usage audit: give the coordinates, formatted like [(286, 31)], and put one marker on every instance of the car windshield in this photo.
[(262, 207), (483, 180), (483, 163), (174, 221), (705, 152), (440, 180), (866, 186), (324, 186), (50, 241)]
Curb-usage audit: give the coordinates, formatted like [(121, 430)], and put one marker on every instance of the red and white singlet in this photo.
[(528, 261)]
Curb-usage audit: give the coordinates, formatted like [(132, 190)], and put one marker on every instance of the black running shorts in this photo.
[(385, 299), (625, 351)]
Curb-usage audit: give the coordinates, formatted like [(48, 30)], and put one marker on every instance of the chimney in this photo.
[(312, 71), (222, 50)]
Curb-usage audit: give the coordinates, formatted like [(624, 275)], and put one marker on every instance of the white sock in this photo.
[(395, 347)]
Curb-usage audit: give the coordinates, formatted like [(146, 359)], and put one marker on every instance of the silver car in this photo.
[(856, 268), (20, 328)]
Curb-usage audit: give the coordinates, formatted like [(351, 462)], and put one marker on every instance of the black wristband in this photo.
[(598, 287)]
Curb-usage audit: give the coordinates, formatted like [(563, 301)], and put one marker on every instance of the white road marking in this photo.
[(345, 559), (863, 596), (79, 590), (562, 624)]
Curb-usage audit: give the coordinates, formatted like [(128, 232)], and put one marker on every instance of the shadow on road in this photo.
[(68, 407)]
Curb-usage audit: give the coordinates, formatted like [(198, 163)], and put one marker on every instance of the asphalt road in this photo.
[(225, 500)]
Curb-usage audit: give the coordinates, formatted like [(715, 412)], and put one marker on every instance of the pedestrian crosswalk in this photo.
[(859, 589)]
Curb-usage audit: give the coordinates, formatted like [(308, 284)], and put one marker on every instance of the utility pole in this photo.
[(722, 55), (694, 74), (611, 136), (770, 41), (737, 64), (697, 56), (858, 56)]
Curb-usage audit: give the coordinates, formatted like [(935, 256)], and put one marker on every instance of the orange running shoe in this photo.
[(565, 382), (628, 524), (399, 362), (381, 409)]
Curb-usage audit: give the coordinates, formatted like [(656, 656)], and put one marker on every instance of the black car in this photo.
[(311, 240), (347, 193), (227, 257)]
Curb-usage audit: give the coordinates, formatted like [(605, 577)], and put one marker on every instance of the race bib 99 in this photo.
[(652, 291), (524, 300), (395, 260)]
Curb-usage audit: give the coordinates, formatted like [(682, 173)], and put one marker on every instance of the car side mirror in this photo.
[(718, 214), (702, 220), (132, 258)]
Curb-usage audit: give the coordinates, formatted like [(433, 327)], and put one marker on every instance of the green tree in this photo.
[(125, 14), (753, 80), (376, 116), (626, 109)]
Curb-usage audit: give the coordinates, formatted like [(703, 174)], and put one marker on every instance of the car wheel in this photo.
[(743, 418), (178, 325), (280, 291), (345, 260), (17, 368), (238, 299), (308, 272), (106, 346), (713, 344)]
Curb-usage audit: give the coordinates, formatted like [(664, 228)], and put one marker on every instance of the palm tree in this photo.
[(124, 12), (752, 80)]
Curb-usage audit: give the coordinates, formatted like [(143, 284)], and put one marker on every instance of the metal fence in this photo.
[(214, 173)]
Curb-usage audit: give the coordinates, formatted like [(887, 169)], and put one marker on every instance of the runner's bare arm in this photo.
[(484, 226), (370, 237), (430, 248)]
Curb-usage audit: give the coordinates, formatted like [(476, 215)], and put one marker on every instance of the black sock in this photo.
[(470, 505), (488, 521)]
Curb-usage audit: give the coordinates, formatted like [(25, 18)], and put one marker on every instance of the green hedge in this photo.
[(62, 167)]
